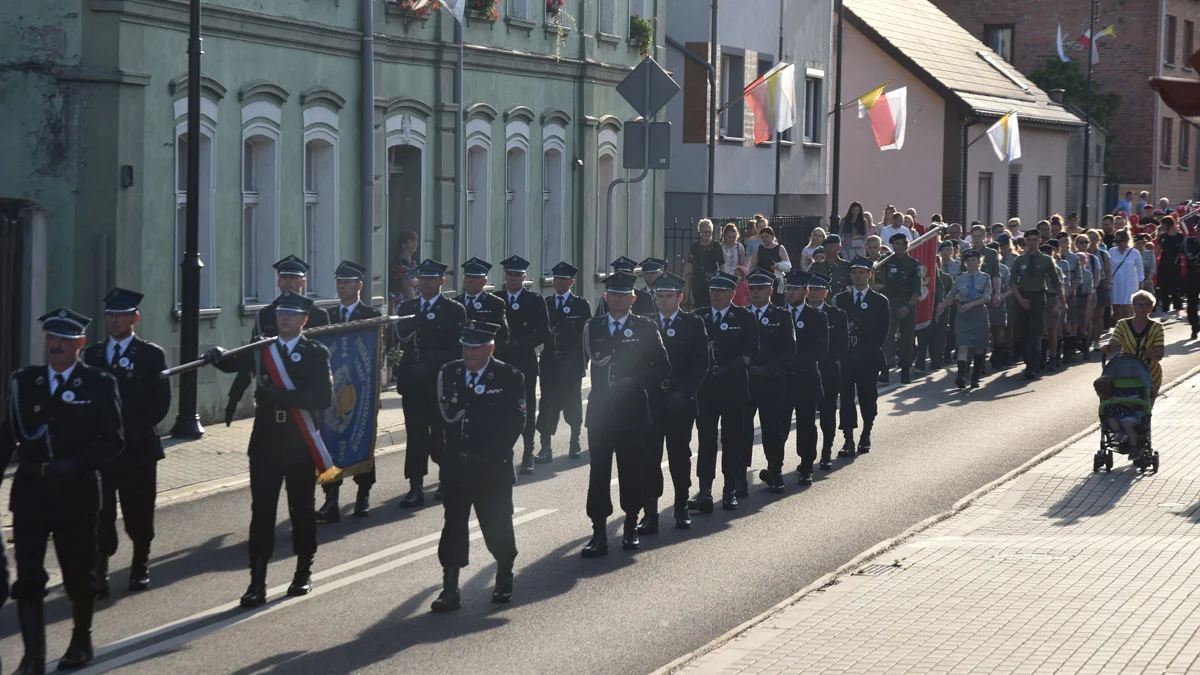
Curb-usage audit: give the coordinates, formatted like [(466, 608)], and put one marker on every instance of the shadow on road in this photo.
[(1093, 496)]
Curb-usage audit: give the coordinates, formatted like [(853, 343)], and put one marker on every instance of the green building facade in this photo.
[(93, 114)]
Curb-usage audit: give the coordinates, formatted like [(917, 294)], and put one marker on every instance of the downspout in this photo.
[(1158, 130), (368, 148), (712, 109)]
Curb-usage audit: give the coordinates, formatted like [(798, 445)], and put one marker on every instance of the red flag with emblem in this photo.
[(925, 253)]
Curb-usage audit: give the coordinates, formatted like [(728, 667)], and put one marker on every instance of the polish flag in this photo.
[(888, 113)]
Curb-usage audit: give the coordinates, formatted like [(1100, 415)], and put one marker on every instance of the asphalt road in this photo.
[(627, 613)]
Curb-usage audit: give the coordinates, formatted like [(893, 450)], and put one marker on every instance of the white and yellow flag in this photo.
[(1006, 138)]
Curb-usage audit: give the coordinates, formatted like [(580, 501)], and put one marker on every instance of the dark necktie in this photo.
[(616, 327), (283, 348), (666, 324), (60, 384), (345, 314), (425, 307), (474, 379), (795, 314), (116, 356), (470, 301), (716, 317), (560, 303), (858, 296), (758, 314), (971, 290)]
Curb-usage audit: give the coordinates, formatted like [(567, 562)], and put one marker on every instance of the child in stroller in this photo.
[(1126, 392), (1122, 416)]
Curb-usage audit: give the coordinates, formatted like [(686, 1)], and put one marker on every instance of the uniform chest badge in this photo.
[(765, 321), (479, 389), (516, 305), (40, 380), (295, 357), (478, 305), (864, 305), (76, 382), (799, 324), (670, 332), (724, 326), (597, 354), (68, 396), (566, 309), (628, 332), (429, 316), (124, 362), (37, 408)]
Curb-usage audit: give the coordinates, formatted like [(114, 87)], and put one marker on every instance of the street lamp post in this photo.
[(187, 421), (1087, 128)]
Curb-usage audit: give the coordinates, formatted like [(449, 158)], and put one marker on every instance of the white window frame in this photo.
[(260, 120), (984, 197), (607, 148), (814, 106), (732, 122), (321, 200), (519, 9), (516, 188), (207, 220), (554, 211), (608, 17), (406, 129), (477, 211), (1045, 187)]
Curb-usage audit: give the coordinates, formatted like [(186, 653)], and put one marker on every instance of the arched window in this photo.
[(478, 207), (606, 173), (554, 149), (261, 120), (516, 191), (321, 187), (207, 197)]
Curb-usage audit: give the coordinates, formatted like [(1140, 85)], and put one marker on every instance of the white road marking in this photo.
[(270, 607)]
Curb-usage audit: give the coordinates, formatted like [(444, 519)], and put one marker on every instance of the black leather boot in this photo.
[(545, 455), (31, 616), (703, 502), (977, 370), (864, 440), (362, 503), (847, 450), (729, 500), (139, 569), (649, 524), (79, 652), (449, 599), (504, 582), (742, 489), (256, 592), (629, 539), (597, 546), (576, 448), (683, 518), (416, 494), (961, 380), (302, 579), (101, 576), (329, 511)]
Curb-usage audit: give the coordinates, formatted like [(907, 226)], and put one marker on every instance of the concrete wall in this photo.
[(910, 177), (105, 97)]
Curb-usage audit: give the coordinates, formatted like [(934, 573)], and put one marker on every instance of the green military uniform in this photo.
[(1035, 275), (837, 271), (990, 262), (901, 279), (931, 340)]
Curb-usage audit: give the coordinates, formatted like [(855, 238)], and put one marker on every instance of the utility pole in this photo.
[(1085, 207), (835, 180)]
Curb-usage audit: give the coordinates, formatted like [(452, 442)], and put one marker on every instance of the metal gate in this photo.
[(792, 231)]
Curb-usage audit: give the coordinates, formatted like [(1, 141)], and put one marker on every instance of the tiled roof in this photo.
[(949, 55)]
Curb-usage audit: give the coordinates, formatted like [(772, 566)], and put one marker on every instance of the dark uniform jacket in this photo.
[(643, 304), (866, 327), (264, 327), (624, 367), (839, 342), (429, 341), (361, 311), (78, 430), (566, 335), (777, 347), (145, 397), (733, 346), (529, 328), (812, 344), (308, 368), (482, 424), (489, 308), (686, 342)]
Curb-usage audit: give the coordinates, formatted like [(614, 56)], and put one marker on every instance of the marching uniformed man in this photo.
[(63, 424), (867, 321), (291, 275), (830, 364), (481, 400), (280, 453), (835, 267), (349, 277), (768, 380), (724, 398), (673, 403), (901, 278), (482, 306), (628, 359), (643, 302), (529, 326), (563, 363), (652, 271), (145, 400), (428, 343), (1035, 282), (805, 387)]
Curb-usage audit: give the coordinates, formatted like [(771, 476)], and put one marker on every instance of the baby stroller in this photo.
[(1134, 389)]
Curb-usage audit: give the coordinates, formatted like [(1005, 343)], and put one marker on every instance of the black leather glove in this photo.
[(676, 400), (213, 355), (230, 409)]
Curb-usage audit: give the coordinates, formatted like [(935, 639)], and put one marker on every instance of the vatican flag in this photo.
[(1006, 138)]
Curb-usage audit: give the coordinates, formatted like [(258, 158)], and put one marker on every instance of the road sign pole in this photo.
[(612, 187)]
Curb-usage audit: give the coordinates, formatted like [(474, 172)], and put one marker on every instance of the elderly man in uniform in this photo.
[(901, 278), (63, 424), (768, 380), (724, 398), (145, 400), (628, 359), (291, 276), (835, 267), (805, 386), (349, 277), (673, 403), (482, 402), (562, 363), (428, 343), (867, 321), (280, 452), (482, 306), (830, 365), (1035, 283), (529, 326)]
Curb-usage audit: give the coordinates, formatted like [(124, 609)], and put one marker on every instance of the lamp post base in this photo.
[(187, 426)]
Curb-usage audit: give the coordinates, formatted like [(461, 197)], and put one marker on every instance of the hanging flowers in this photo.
[(553, 7), (488, 10), (418, 9), (641, 33)]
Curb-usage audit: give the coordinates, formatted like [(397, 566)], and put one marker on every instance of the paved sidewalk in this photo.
[(1059, 569)]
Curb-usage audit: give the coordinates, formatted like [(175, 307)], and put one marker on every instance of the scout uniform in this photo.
[(563, 366), (132, 477), (836, 270), (1035, 279), (972, 326)]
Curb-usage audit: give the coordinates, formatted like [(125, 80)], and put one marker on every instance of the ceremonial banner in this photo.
[(924, 250), (349, 427)]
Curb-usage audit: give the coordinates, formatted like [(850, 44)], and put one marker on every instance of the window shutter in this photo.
[(695, 95)]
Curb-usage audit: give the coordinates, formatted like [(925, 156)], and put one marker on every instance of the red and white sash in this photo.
[(304, 420)]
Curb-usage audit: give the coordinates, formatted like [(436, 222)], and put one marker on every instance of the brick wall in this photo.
[(1126, 62)]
